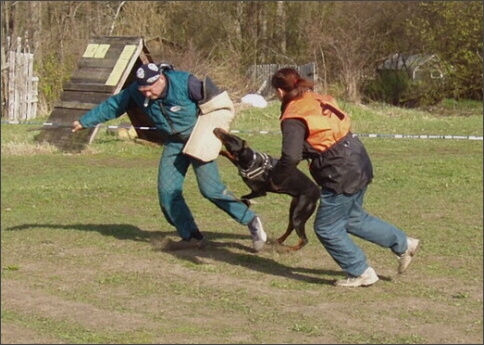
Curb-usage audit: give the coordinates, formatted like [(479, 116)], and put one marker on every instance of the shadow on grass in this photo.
[(228, 250), (222, 251), (119, 231)]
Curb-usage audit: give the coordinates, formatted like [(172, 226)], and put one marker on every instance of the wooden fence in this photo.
[(261, 74), (19, 85)]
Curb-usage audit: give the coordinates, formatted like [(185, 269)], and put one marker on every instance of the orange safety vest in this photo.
[(326, 122), (342, 164)]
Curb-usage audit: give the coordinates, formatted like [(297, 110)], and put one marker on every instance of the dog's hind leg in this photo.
[(302, 238), (301, 232), (289, 230), (290, 225), (300, 211)]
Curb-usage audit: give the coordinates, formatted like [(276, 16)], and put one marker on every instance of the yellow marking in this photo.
[(96, 51), (101, 51), (121, 64), (90, 50)]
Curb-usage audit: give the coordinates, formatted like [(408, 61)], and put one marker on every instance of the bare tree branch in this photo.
[(121, 4)]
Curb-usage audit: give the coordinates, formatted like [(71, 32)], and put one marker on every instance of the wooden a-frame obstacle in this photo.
[(107, 66)]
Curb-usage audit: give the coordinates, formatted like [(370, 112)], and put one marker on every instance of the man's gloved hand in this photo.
[(76, 126)]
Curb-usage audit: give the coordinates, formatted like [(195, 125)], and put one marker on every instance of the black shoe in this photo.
[(184, 244)]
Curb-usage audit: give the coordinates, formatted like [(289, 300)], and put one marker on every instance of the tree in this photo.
[(348, 33), (454, 30), (223, 38)]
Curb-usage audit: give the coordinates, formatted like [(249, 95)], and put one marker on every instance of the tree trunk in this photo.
[(281, 26), (36, 29)]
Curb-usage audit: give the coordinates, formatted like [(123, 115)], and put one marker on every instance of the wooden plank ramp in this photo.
[(107, 66)]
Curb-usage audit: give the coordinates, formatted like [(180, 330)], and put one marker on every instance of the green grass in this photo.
[(78, 264)]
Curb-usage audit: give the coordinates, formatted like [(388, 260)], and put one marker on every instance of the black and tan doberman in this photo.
[(254, 168)]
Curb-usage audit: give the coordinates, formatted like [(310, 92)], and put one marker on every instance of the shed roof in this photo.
[(406, 61)]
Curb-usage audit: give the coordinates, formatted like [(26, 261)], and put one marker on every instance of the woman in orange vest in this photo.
[(315, 128)]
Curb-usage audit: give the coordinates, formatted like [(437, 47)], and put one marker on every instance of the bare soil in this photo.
[(225, 293)]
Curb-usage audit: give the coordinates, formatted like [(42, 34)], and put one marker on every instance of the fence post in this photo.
[(12, 94), (22, 86), (4, 79)]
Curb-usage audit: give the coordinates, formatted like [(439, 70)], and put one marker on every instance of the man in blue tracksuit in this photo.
[(171, 99)]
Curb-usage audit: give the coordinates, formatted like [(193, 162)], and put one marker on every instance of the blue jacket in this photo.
[(175, 114)]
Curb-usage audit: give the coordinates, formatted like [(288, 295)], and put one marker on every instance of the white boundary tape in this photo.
[(371, 135), (394, 136), (421, 136)]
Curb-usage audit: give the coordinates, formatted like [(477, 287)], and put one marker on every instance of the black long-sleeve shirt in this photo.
[(294, 148)]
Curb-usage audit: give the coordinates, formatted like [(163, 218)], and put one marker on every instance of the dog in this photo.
[(254, 167)]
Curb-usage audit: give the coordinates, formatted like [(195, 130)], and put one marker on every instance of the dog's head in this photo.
[(236, 149)]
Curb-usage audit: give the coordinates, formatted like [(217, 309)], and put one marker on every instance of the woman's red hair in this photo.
[(289, 80)]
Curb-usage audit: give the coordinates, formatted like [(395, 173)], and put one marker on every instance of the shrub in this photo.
[(398, 89)]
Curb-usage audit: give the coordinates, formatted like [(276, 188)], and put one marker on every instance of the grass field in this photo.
[(79, 237)]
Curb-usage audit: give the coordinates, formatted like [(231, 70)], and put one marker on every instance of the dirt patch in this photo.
[(226, 294), (16, 334)]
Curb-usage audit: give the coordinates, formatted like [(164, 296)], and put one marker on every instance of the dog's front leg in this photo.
[(246, 199), (254, 194)]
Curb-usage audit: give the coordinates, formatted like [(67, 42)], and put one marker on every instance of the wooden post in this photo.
[(20, 82), (12, 92), (22, 86), (31, 87), (4, 79)]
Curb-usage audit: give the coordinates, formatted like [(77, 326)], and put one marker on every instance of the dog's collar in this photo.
[(255, 170)]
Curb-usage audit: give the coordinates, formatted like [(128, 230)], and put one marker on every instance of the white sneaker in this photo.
[(259, 236), (368, 278), (406, 258)]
